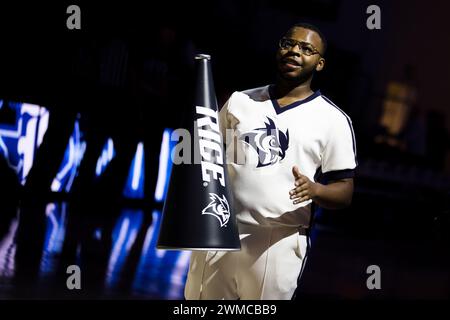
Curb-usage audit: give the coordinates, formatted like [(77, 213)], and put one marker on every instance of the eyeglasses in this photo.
[(305, 48)]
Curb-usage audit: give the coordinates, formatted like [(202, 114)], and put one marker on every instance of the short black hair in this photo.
[(312, 27)]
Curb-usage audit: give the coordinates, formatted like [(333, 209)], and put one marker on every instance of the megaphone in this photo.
[(198, 210)]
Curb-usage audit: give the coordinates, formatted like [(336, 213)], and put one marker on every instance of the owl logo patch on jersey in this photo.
[(219, 208), (270, 143)]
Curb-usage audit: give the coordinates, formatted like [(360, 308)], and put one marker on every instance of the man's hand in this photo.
[(335, 194), (304, 188)]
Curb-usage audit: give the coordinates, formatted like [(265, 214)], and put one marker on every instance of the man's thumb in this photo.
[(296, 172)]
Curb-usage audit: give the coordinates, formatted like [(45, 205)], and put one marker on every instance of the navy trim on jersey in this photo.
[(349, 124), (323, 178), (279, 109), (339, 174)]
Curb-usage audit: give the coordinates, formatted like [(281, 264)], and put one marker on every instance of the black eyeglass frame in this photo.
[(299, 44)]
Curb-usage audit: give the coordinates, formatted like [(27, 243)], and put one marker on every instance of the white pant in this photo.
[(267, 266)]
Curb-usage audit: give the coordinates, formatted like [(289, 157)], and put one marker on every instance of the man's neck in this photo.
[(286, 90)]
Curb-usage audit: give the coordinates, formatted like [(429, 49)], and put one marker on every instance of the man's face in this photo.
[(293, 65)]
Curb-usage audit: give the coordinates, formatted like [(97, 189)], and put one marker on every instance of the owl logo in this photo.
[(269, 143), (219, 208)]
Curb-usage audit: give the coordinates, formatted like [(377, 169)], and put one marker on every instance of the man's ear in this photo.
[(320, 65)]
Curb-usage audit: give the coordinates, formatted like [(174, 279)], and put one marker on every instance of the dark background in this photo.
[(131, 65)]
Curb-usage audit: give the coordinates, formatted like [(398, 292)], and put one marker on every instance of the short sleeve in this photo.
[(223, 118), (339, 155), (227, 123), (227, 120)]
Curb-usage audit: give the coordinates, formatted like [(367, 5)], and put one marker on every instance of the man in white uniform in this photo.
[(284, 137)]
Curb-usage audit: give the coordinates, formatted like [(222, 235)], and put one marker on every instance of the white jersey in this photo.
[(313, 134)]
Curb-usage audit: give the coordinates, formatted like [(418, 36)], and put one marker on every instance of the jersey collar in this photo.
[(297, 103)]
